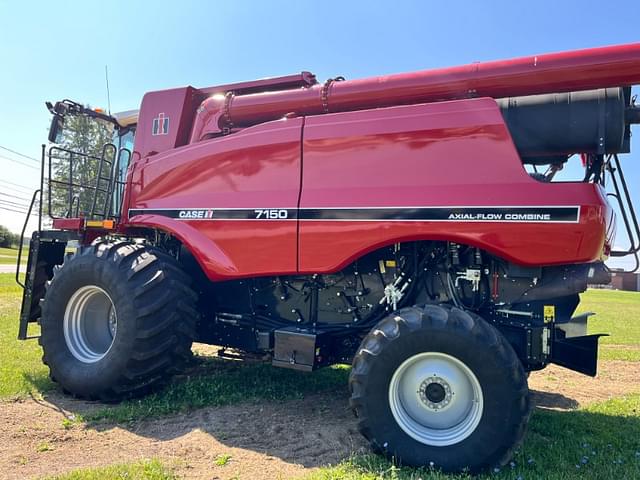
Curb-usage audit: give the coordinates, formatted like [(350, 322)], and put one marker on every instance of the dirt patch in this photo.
[(266, 440), (621, 347), (558, 388)]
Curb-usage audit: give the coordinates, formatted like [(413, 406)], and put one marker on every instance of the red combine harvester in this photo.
[(388, 222)]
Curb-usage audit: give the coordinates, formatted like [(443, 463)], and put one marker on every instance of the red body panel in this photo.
[(172, 105), (446, 154), (68, 223), (256, 168)]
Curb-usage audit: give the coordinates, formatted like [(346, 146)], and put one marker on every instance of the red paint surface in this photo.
[(557, 72), (176, 105), (68, 223), (446, 154), (455, 153), (257, 168)]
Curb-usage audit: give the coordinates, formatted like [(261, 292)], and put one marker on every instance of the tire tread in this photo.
[(166, 316)]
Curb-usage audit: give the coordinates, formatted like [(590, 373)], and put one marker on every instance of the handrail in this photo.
[(632, 233), (99, 177), (115, 182), (43, 156), (64, 155), (24, 227)]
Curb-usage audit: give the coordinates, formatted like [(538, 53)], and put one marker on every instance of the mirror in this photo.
[(55, 130)]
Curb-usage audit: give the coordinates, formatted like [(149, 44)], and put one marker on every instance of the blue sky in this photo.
[(54, 50)]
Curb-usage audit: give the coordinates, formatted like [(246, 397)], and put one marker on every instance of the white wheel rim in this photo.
[(90, 324), (436, 399)]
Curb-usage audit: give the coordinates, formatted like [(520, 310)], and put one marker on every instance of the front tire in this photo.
[(438, 386), (117, 320)]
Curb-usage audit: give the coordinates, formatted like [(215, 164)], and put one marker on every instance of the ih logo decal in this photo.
[(160, 125)]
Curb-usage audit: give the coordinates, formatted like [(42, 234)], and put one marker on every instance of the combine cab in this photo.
[(408, 224)]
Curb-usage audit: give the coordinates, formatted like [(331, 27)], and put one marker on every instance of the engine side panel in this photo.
[(402, 172)]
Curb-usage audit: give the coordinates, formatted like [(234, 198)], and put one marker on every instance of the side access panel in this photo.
[(46, 250)]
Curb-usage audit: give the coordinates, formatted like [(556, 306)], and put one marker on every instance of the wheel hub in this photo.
[(435, 393), (90, 324), (435, 398)]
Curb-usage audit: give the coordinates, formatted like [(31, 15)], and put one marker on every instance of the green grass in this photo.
[(218, 383), (555, 442), (11, 261), (222, 460), (613, 352), (147, 470), (599, 442), (617, 313), (21, 368), (213, 382), (13, 251), (10, 255), (222, 383)]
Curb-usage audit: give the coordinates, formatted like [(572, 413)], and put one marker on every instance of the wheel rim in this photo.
[(90, 324), (436, 399)]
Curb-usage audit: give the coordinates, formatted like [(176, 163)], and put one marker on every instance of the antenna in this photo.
[(106, 77)]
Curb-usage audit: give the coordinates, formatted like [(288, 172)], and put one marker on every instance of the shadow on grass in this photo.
[(209, 382), (38, 382), (297, 416), (553, 400), (304, 418), (214, 382)]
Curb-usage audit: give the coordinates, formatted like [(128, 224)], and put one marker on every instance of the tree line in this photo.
[(8, 239)]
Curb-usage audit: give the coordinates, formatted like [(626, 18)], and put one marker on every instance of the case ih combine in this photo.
[(386, 222)]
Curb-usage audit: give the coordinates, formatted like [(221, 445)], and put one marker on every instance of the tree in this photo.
[(7, 239), (5, 236), (78, 156)]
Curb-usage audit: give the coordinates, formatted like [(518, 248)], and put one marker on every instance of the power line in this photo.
[(12, 199), (31, 189), (16, 209), (28, 187), (14, 191), (19, 162), (20, 154), (17, 204), (15, 197)]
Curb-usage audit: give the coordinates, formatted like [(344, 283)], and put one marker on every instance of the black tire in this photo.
[(156, 318), (470, 340)]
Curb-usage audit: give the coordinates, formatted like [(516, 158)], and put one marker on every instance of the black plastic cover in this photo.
[(577, 353), (592, 121)]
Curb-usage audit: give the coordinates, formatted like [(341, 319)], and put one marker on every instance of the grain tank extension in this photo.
[(411, 225)]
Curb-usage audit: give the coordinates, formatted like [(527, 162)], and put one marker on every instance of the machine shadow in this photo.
[(259, 412), (553, 401)]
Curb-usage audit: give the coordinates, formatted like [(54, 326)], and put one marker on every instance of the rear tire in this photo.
[(405, 378), (117, 320)]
